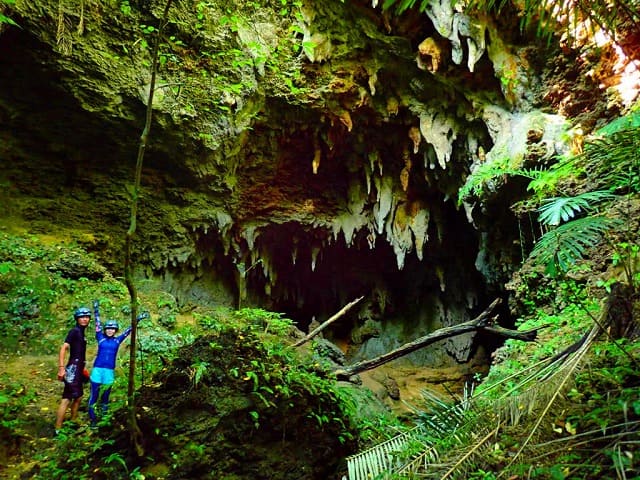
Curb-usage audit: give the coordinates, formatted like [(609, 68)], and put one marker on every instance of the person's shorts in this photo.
[(73, 384), (105, 376)]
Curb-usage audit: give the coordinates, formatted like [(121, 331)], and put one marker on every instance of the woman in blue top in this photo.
[(102, 374)]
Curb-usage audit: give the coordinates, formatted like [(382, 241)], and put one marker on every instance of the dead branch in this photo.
[(315, 332), (484, 321)]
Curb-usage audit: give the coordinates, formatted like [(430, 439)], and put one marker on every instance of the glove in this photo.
[(142, 316), (96, 304)]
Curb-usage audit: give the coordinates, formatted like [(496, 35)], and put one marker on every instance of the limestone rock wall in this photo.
[(300, 156)]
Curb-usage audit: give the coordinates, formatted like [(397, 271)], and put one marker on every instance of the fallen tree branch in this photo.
[(315, 332), (528, 336), (484, 321)]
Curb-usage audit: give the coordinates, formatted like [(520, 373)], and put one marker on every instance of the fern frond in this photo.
[(564, 245), (487, 173), (628, 122), (614, 161), (557, 210)]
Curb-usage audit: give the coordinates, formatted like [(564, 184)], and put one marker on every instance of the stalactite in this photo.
[(255, 257), (367, 176), (468, 210), (265, 265), (371, 238), (345, 119), (429, 55), (440, 131), (373, 78), (420, 226), (250, 234), (396, 229), (440, 275), (472, 299), (475, 31), (416, 138), (404, 174), (317, 155), (455, 26), (381, 209), (440, 224), (441, 15), (374, 160), (315, 251), (393, 106), (273, 278), (226, 243)]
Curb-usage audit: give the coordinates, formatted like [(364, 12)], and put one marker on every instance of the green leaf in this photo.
[(557, 210), (5, 19), (6, 267), (559, 248)]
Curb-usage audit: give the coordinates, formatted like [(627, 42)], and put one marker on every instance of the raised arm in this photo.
[(124, 334), (127, 330), (96, 314)]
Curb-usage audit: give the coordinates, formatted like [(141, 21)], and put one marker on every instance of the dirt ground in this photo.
[(401, 387), (38, 375)]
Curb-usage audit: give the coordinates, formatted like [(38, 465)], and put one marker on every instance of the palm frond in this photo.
[(557, 210), (453, 438), (415, 450), (565, 377), (378, 459), (561, 247), (439, 417), (545, 15), (440, 420), (477, 449)]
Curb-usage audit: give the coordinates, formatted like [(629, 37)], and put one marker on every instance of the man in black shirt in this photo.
[(72, 373)]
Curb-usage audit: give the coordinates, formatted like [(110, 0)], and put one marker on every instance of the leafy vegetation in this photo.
[(566, 407), (5, 19), (545, 412), (542, 16), (239, 361), (235, 369)]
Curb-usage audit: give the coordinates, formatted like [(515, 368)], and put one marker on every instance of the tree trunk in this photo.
[(134, 430)]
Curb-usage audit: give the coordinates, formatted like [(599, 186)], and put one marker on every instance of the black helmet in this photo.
[(111, 324), (81, 312)]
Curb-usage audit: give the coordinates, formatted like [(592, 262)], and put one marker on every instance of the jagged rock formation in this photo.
[(299, 157)]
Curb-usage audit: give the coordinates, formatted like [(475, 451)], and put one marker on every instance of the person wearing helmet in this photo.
[(72, 371), (102, 373)]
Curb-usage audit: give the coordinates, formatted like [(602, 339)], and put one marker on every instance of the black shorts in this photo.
[(73, 383)]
